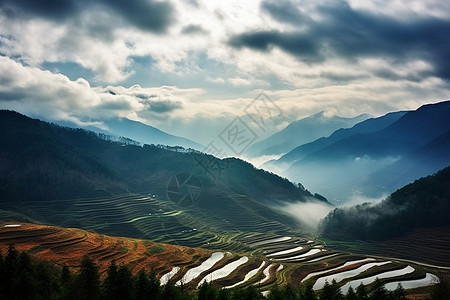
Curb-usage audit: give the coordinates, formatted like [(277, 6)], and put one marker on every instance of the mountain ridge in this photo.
[(365, 126), (141, 132), (337, 166), (301, 131)]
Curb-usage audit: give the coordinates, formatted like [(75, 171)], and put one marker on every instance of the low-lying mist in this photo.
[(306, 213), (310, 213), (358, 198)]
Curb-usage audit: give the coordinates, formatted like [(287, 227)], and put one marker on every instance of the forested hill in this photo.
[(42, 161), (424, 203)]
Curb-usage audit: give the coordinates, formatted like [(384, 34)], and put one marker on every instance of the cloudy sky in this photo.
[(190, 66)]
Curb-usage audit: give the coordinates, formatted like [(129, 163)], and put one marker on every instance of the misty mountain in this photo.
[(300, 132), (47, 163), (424, 160), (339, 168), (146, 134), (367, 126), (424, 203)]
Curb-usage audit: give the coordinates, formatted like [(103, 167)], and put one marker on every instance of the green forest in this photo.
[(23, 278), (423, 203)]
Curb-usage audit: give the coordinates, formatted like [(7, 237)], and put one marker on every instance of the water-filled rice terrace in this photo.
[(156, 218), (274, 259)]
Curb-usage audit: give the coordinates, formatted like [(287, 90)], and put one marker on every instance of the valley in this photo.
[(191, 218)]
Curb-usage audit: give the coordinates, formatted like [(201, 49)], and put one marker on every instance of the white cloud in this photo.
[(55, 97), (99, 41)]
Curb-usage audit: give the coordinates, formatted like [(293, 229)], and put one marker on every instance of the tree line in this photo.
[(22, 278), (423, 203)]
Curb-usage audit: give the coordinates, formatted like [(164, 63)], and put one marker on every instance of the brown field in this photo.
[(68, 246)]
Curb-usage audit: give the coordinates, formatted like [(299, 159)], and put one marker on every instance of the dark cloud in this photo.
[(164, 106), (13, 95), (294, 43), (194, 29), (284, 11), (147, 15), (52, 9), (351, 34), (340, 77)]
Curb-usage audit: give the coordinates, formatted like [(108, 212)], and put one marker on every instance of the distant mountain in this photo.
[(424, 203), (46, 168), (367, 126), (351, 162), (424, 160), (300, 132), (146, 134)]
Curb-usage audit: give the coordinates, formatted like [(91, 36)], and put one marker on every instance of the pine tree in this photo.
[(142, 286), (206, 292), (47, 279), (351, 295), (224, 294), (111, 283), (441, 290), (170, 292), (399, 293), (327, 292), (2, 276), (275, 293), (66, 276), (307, 292), (154, 286), (67, 284), (289, 293), (378, 291), (361, 292), (252, 293), (336, 291), (88, 281), (125, 283)]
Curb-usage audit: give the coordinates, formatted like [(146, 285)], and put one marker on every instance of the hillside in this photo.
[(422, 204), (68, 245), (74, 178), (61, 163), (300, 132)]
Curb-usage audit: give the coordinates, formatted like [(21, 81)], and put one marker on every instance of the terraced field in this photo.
[(272, 259), (158, 219), (425, 245)]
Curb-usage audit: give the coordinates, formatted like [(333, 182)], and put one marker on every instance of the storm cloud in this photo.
[(147, 15), (343, 32)]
